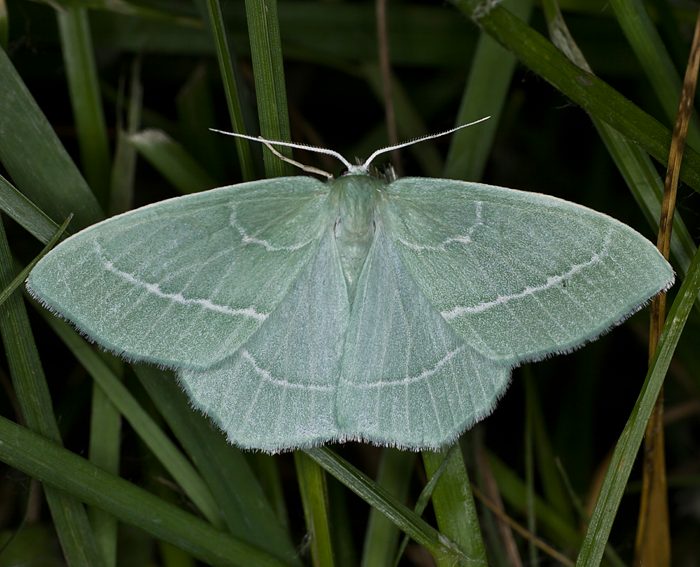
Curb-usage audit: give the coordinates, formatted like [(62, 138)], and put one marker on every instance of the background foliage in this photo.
[(106, 105)]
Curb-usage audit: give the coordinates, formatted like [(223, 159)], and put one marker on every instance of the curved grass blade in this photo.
[(21, 149), (153, 437)]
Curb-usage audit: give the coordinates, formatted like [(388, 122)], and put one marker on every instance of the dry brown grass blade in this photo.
[(524, 532), (385, 72), (653, 542)]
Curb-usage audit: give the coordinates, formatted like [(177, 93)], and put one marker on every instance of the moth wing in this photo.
[(408, 378), (519, 275), (278, 391), (185, 282)]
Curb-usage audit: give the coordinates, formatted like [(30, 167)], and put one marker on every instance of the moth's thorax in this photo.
[(354, 198)]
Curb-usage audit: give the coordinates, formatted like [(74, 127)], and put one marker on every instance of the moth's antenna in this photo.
[(268, 143), (295, 163), (380, 151)]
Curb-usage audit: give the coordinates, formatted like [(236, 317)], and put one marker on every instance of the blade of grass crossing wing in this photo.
[(454, 505), (489, 78), (69, 516), (76, 44)]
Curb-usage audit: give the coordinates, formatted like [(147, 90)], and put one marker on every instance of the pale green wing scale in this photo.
[(185, 282), (519, 276)]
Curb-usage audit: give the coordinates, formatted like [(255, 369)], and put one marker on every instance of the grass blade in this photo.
[(36, 142), (631, 438), (22, 276), (314, 497), (69, 516), (246, 511), (593, 95), (231, 88), (71, 474), (268, 70), (439, 545), (454, 505), (78, 56), (489, 78), (172, 161), (381, 535)]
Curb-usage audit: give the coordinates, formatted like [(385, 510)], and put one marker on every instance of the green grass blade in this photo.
[(121, 194), (377, 497), (22, 276), (172, 160), (103, 451), (381, 535), (268, 70), (150, 433), (488, 82), (424, 499), (454, 504), (81, 73), (69, 516), (314, 497), (25, 213), (628, 445), (21, 149), (633, 163), (71, 474), (196, 114), (231, 87), (4, 25), (655, 60), (247, 512), (593, 95)]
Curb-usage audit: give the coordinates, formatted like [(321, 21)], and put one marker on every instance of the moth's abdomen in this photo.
[(355, 198)]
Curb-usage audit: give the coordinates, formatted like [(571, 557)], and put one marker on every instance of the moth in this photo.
[(297, 312)]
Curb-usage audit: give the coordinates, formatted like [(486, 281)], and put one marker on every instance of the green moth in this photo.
[(298, 312)]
